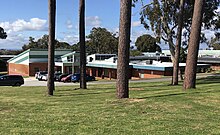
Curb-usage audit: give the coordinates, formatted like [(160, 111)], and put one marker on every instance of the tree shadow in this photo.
[(178, 94), (208, 80), (80, 94)]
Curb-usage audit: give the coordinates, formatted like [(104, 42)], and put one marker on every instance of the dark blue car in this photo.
[(76, 78)]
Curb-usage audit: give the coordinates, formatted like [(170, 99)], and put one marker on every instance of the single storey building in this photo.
[(33, 60)]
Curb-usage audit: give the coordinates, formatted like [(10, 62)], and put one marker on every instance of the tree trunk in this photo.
[(82, 44), (178, 44), (192, 56), (123, 49), (51, 44)]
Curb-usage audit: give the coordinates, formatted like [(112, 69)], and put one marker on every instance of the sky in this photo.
[(29, 18)]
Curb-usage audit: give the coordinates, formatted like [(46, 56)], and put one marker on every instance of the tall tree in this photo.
[(147, 43), (82, 44), (123, 49), (100, 40), (193, 48), (3, 34), (52, 18), (163, 19), (178, 44), (42, 43)]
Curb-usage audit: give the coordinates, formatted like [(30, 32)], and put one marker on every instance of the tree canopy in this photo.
[(42, 43), (215, 42), (147, 43), (3, 34), (100, 40), (162, 16)]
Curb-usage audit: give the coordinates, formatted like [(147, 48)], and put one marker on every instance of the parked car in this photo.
[(40, 75), (76, 78), (90, 78), (11, 80), (44, 77), (58, 78), (57, 75), (67, 78)]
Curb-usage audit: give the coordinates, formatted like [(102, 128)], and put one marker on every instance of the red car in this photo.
[(67, 78)]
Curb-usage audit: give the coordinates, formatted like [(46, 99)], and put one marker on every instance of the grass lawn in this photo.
[(153, 108)]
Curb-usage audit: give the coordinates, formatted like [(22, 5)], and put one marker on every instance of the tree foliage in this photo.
[(3, 34), (100, 40), (42, 43), (135, 53), (9, 52), (147, 43), (162, 16), (215, 42)]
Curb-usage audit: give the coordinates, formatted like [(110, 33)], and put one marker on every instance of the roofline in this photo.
[(69, 54), (34, 49), (19, 55)]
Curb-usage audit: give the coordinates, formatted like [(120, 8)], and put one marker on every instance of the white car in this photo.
[(44, 77), (40, 75)]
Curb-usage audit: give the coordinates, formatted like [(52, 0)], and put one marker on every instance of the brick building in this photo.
[(33, 60)]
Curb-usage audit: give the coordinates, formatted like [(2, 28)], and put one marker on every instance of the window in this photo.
[(70, 58)]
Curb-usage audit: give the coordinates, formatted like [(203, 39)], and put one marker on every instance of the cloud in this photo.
[(136, 24), (93, 21), (34, 24), (69, 24), (69, 38), (14, 41)]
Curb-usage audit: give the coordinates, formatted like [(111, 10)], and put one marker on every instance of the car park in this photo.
[(76, 77), (11, 80), (44, 77), (40, 75), (58, 75), (67, 78)]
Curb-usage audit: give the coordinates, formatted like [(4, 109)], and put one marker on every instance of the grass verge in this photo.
[(153, 108)]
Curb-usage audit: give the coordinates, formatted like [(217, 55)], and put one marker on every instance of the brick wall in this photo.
[(39, 66), (147, 73), (216, 67), (19, 69)]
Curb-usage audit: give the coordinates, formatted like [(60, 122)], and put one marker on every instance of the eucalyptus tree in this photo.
[(3, 34), (82, 44), (192, 56), (178, 43), (162, 17), (123, 49), (51, 44)]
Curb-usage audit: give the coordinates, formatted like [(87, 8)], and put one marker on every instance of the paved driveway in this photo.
[(31, 81)]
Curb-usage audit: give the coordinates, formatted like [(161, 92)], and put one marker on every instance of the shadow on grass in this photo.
[(188, 92), (81, 94), (208, 80)]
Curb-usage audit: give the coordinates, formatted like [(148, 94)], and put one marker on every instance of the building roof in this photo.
[(31, 50), (201, 52), (209, 60), (69, 54)]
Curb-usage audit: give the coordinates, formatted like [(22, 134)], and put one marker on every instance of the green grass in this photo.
[(153, 108)]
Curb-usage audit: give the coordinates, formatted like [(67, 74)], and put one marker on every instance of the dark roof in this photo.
[(208, 60)]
